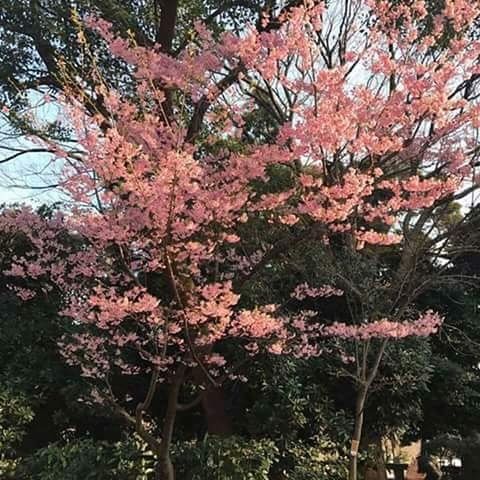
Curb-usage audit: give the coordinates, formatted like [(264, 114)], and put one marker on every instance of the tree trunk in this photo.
[(216, 416), (164, 469), (357, 432), (166, 24), (213, 403)]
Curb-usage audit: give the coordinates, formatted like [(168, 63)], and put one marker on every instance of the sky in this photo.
[(31, 169)]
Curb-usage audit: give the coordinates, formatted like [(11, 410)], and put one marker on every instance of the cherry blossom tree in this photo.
[(376, 124)]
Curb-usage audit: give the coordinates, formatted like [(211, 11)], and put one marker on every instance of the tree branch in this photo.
[(165, 29)]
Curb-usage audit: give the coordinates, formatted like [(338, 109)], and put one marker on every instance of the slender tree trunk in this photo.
[(165, 469), (216, 416), (365, 379), (357, 432)]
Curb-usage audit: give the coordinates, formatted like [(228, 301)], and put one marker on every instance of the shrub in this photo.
[(232, 458), (88, 460)]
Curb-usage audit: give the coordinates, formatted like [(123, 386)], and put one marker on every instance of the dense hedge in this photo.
[(213, 458)]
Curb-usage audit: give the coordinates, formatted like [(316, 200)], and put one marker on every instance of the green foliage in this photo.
[(214, 458), (35, 35), (88, 460), (403, 380), (15, 414), (231, 458), (311, 464), (285, 402), (452, 401)]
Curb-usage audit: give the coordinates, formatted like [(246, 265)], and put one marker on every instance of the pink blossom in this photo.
[(426, 324), (303, 291)]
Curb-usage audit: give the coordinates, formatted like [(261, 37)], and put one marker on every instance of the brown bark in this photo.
[(213, 403), (216, 416), (166, 23), (165, 469)]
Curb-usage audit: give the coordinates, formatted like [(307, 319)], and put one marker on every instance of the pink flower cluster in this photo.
[(304, 290), (426, 324)]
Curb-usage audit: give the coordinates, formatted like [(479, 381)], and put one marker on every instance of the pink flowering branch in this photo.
[(426, 325)]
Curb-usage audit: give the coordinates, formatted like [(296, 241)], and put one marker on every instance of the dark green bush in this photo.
[(313, 463), (214, 458), (231, 458), (15, 415), (87, 460)]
